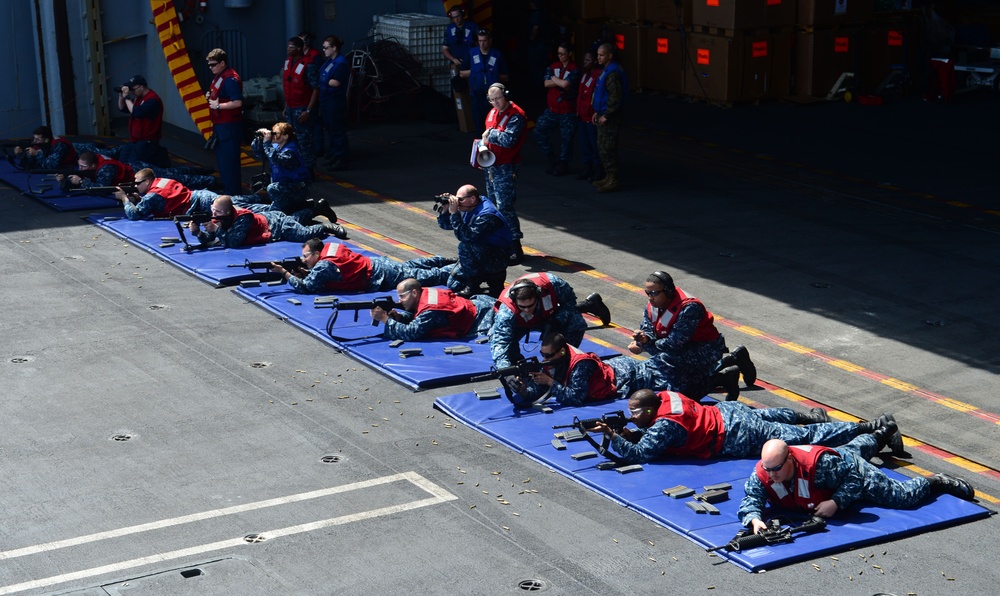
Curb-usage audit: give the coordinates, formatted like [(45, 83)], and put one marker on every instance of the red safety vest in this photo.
[(68, 160), (123, 171), (260, 231), (555, 93), (547, 300), (705, 331), (295, 83), (176, 195), (224, 116), (499, 122), (584, 98), (805, 495), (601, 384), (146, 129), (355, 269), (704, 426), (462, 312)]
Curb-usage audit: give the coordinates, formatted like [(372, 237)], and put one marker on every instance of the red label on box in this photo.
[(711, 2), (620, 41), (841, 45), (758, 49), (895, 38), (703, 56), (662, 45), (774, 2)]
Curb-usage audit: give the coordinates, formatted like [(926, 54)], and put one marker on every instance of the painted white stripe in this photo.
[(439, 495), (223, 544)]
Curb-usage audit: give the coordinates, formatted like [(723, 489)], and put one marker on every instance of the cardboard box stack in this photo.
[(741, 50), (827, 43)]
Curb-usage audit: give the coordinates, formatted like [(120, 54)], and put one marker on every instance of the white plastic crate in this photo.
[(421, 34)]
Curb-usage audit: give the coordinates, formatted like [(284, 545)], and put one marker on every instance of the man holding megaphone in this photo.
[(504, 135)]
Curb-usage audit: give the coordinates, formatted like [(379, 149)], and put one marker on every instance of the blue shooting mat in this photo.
[(530, 432), (432, 368), (46, 190), (211, 265)]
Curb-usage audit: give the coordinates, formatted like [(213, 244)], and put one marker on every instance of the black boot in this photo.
[(869, 426), (886, 432), (883, 435), (814, 416), (728, 379), (943, 483), (495, 283), (323, 208), (594, 305), (585, 173), (747, 368), (332, 229), (553, 162), (516, 253)]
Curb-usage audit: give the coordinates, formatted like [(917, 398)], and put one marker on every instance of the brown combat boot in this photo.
[(610, 184)]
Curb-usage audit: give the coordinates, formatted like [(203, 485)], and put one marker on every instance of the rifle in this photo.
[(128, 188), (198, 217), (521, 369), (289, 263), (386, 303), (776, 532), (616, 421), (65, 172), (22, 143)]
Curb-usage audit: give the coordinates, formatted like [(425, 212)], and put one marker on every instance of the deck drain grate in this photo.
[(260, 365), (532, 585), (20, 359), (121, 438), (157, 307), (330, 459), (254, 538)]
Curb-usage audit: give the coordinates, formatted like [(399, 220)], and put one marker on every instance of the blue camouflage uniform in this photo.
[(566, 320), (687, 366), (50, 158), (565, 122), (385, 274), (152, 203), (412, 327), (289, 185), (501, 179), (283, 227), (852, 478), (304, 132), (630, 375), (483, 244), (184, 174), (746, 430)]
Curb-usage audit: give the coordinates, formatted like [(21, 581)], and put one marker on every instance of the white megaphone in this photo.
[(481, 156)]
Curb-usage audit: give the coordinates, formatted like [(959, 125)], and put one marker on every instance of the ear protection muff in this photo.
[(502, 87), (664, 278), (524, 283)]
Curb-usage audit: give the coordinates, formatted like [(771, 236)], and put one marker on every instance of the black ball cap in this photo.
[(137, 80)]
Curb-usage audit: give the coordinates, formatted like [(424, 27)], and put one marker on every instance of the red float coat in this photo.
[(547, 299), (355, 269), (556, 93), (585, 95), (259, 231), (146, 129), (705, 331), (224, 116), (176, 195), (805, 494), (123, 171), (499, 122), (703, 424), (601, 384), (294, 82), (462, 312)]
